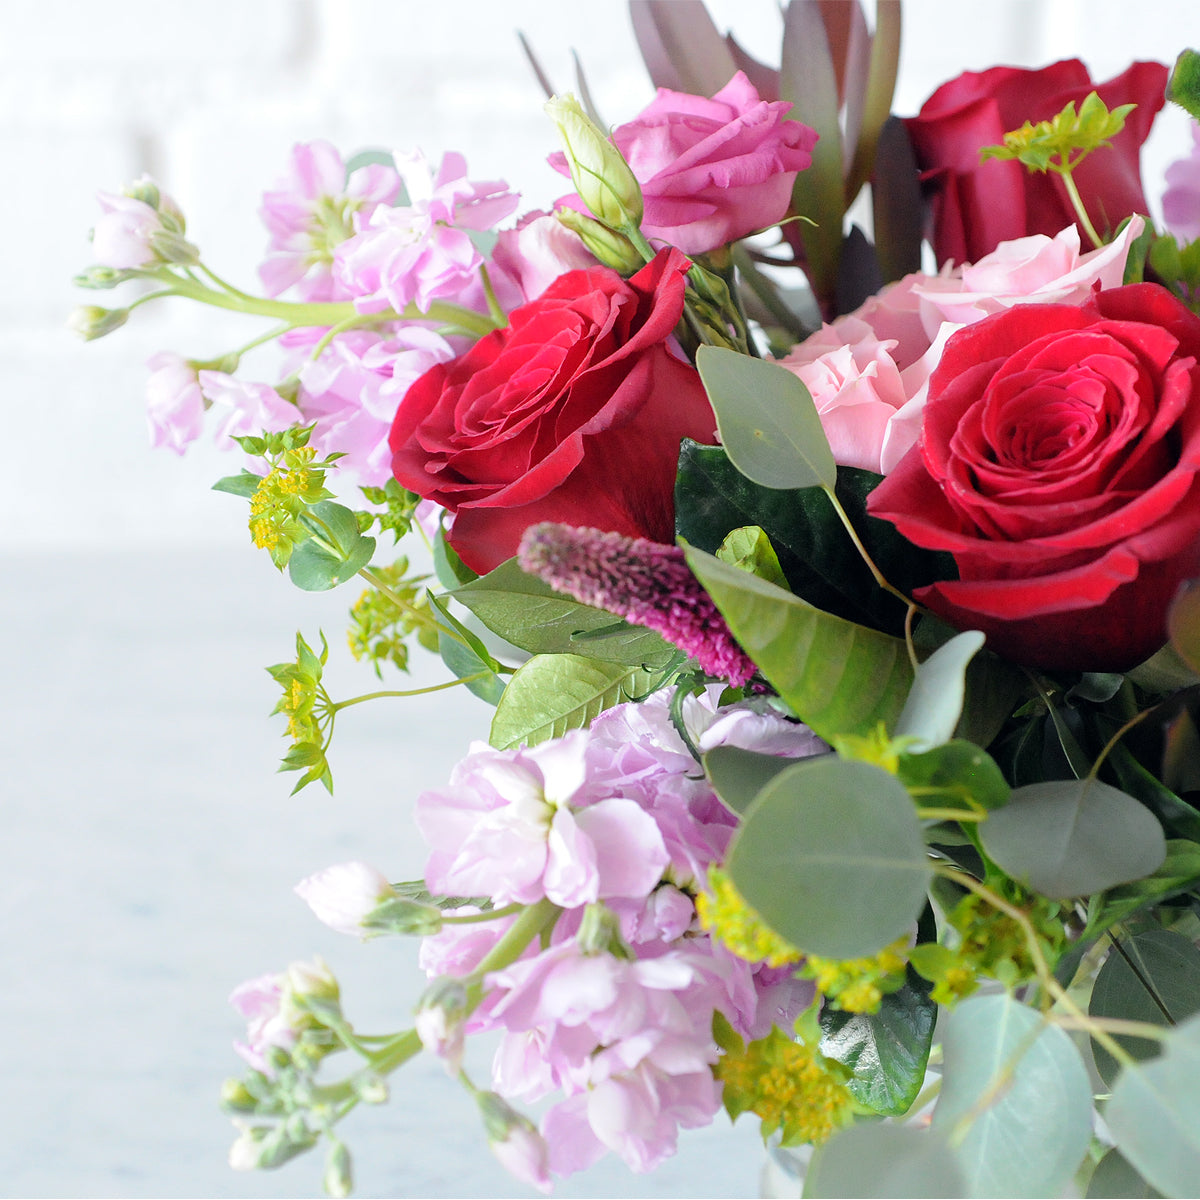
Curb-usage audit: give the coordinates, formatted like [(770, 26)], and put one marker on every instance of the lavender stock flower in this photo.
[(643, 581)]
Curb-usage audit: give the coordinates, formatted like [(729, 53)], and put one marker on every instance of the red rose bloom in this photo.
[(976, 206), (1058, 463), (573, 413)]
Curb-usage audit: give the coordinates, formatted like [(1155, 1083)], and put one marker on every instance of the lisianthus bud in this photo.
[(599, 171), (613, 249), (344, 895), (90, 321)]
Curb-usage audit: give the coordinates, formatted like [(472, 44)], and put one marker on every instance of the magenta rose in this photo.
[(712, 171), (573, 413), (1058, 464), (978, 205)]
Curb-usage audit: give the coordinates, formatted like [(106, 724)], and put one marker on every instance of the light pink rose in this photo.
[(711, 171)]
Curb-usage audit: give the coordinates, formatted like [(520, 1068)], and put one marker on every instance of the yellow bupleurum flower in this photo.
[(859, 984)]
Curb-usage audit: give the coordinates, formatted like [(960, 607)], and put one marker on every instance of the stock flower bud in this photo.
[(599, 171), (439, 1019), (90, 321), (611, 248), (343, 896), (522, 1151)]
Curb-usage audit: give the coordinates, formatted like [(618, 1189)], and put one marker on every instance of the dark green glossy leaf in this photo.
[(888, 1050), (1178, 818), (767, 420), (1070, 838), (1016, 1092), (831, 856), (532, 615), (838, 677), (451, 571), (816, 554), (554, 693), (1153, 976), (1154, 1114)]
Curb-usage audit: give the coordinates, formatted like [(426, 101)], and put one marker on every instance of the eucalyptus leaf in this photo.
[(1066, 838), (838, 677), (886, 1160), (887, 1051), (1153, 976), (831, 857), (1116, 1178), (553, 693), (530, 614), (767, 420), (738, 775), (1154, 1114), (1016, 1093), (935, 702)]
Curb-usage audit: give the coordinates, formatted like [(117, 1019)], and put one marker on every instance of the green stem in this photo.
[(949, 814), (435, 687), (492, 914), (862, 550), (1077, 203), (529, 925)]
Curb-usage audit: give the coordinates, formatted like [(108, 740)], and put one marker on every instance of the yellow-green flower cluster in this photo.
[(380, 625), (859, 984), (724, 913), (1061, 143)]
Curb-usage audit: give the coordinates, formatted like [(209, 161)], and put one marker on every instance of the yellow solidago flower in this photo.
[(859, 984), (789, 1085), (727, 917)]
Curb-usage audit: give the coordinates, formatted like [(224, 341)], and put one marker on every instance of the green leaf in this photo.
[(336, 552), (1154, 1114), (961, 775), (749, 549), (936, 700), (1179, 871), (1176, 816), (1073, 837), (886, 1160), (451, 571), (767, 420), (244, 485), (1183, 87), (464, 663), (831, 856), (1115, 1178), (838, 677), (738, 775), (1153, 976), (1016, 1092), (821, 564), (1183, 624), (553, 693), (888, 1050), (532, 615)]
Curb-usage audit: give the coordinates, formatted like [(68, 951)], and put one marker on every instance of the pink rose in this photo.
[(712, 171)]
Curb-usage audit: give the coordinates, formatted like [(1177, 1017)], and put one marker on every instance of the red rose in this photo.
[(573, 413), (1058, 463), (978, 205)]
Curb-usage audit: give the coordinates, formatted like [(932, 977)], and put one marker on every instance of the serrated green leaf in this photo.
[(838, 677), (554, 693), (830, 855), (1067, 838), (1154, 1113), (767, 420), (1153, 976), (532, 615), (886, 1051), (1015, 1097)]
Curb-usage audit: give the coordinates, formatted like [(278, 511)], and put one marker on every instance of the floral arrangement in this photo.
[(841, 617)]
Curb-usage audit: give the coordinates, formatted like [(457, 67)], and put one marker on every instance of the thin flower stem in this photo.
[(949, 814), (862, 550), (1077, 203), (1112, 741), (436, 687), (492, 914)]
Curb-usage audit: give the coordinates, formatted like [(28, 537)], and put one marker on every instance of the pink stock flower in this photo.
[(518, 825), (260, 1002), (869, 372), (121, 237), (341, 896), (174, 404), (523, 1153), (420, 252), (711, 171), (1181, 200), (643, 581), (537, 251), (311, 211), (245, 408)]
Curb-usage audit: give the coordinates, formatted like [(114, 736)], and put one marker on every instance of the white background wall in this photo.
[(208, 98), (148, 850)]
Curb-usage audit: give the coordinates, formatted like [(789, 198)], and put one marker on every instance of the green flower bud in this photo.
[(236, 1097), (89, 321), (613, 249), (174, 248), (338, 1179), (598, 169), (98, 278)]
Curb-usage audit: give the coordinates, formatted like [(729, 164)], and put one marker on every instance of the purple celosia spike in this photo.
[(643, 581)]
